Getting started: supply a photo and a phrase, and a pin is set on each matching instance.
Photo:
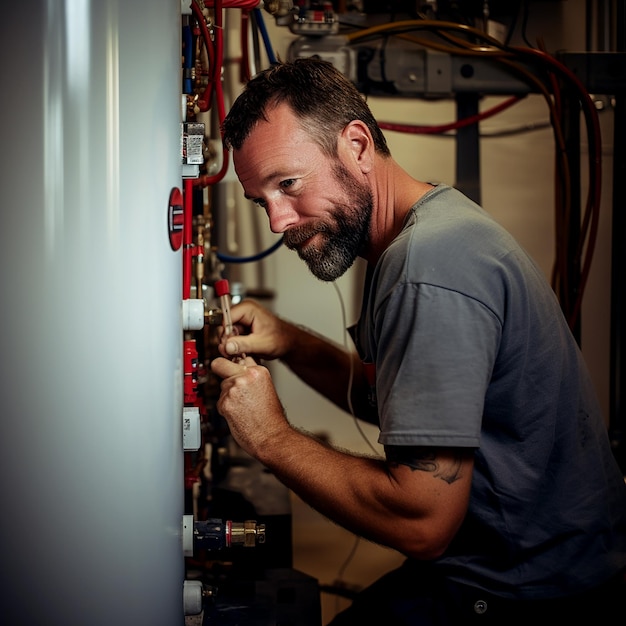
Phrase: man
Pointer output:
(498, 481)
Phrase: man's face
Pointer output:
(329, 246)
(322, 209)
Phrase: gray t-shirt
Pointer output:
(471, 349)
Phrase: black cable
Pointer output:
(525, 15)
(513, 24)
(249, 259)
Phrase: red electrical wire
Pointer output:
(442, 128)
(234, 4)
(219, 41)
(205, 181)
(591, 215)
(244, 66)
(204, 103)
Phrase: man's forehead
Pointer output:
(279, 135)
(276, 116)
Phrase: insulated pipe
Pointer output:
(91, 457)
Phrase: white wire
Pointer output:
(351, 376)
(357, 539)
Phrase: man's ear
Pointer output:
(356, 142)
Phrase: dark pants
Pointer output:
(414, 595)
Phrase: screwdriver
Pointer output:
(222, 289)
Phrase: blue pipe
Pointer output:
(258, 15)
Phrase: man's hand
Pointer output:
(323, 365)
(259, 333)
(249, 403)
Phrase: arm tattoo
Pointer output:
(426, 459)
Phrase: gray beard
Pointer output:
(334, 255)
(342, 241)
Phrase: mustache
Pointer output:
(297, 235)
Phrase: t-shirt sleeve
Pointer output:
(437, 348)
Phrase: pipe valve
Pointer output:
(214, 534)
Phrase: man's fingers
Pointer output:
(225, 368)
(232, 347)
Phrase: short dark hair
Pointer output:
(319, 94)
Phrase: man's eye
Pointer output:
(285, 184)
(260, 202)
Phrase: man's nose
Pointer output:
(281, 214)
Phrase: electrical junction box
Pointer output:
(192, 139)
(334, 49)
